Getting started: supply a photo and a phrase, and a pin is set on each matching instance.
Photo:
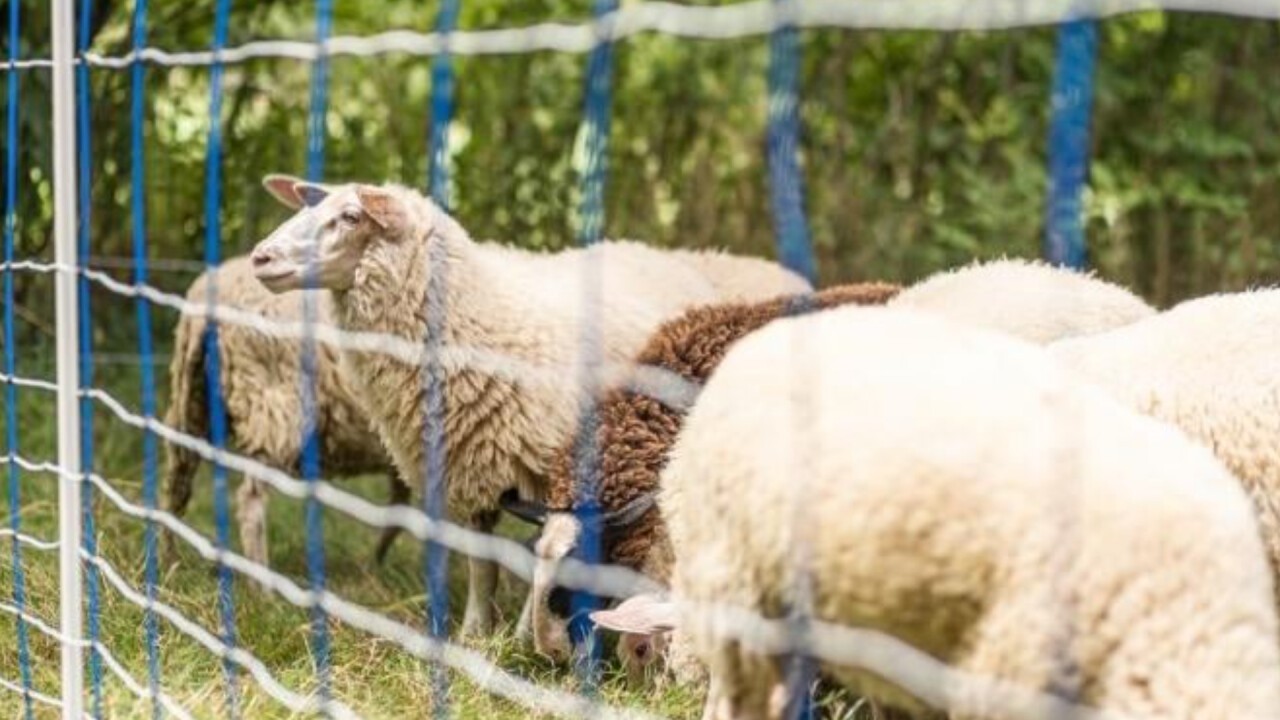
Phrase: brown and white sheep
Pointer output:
(634, 433)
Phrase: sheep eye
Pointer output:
(350, 217)
(642, 651)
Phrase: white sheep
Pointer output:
(378, 249)
(960, 491)
(259, 377)
(1028, 299)
(1208, 366)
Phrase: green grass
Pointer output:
(374, 676)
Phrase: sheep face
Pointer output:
(324, 242)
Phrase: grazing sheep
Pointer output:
(1032, 300)
(958, 490)
(1210, 367)
(634, 433)
(378, 248)
(259, 377)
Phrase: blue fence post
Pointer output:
(435, 555)
(89, 540)
(1072, 108)
(213, 368)
(149, 466)
(10, 355)
(786, 184)
(316, 132)
(597, 107)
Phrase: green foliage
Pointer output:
(920, 151)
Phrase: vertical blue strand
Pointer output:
(786, 182)
(149, 466)
(89, 541)
(1072, 109)
(597, 107)
(10, 354)
(442, 107)
(307, 393)
(319, 92)
(213, 369)
(795, 251)
(596, 116)
(436, 556)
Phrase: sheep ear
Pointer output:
(282, 188)
(530, 512)
(385, 208)
(639, 615)
(311, 194)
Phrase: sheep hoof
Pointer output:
(476, 627)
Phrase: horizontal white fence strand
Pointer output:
(864, 648)
(604, 580)
(889, 657)
(666, 386)
(28, 541)
(663, 385)
(36, 696)
(925, 677)
(113, 664)
(486, 675)
(739, 20)
(193, 630)
(885, 655)
(33, 466)
(33, 383)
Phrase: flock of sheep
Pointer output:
(1023, 473)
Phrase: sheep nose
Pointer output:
(262, 257)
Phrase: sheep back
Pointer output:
(741, 278)
(1028, 299)
(1207, 366)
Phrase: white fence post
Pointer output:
(64, 233)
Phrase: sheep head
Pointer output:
(330, 232)
(560, 535)
(645, 623)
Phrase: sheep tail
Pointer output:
(188, 410)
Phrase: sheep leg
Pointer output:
(744, 686)
(524, 627)
(399, 495)
(482, 585)
(251, 513)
